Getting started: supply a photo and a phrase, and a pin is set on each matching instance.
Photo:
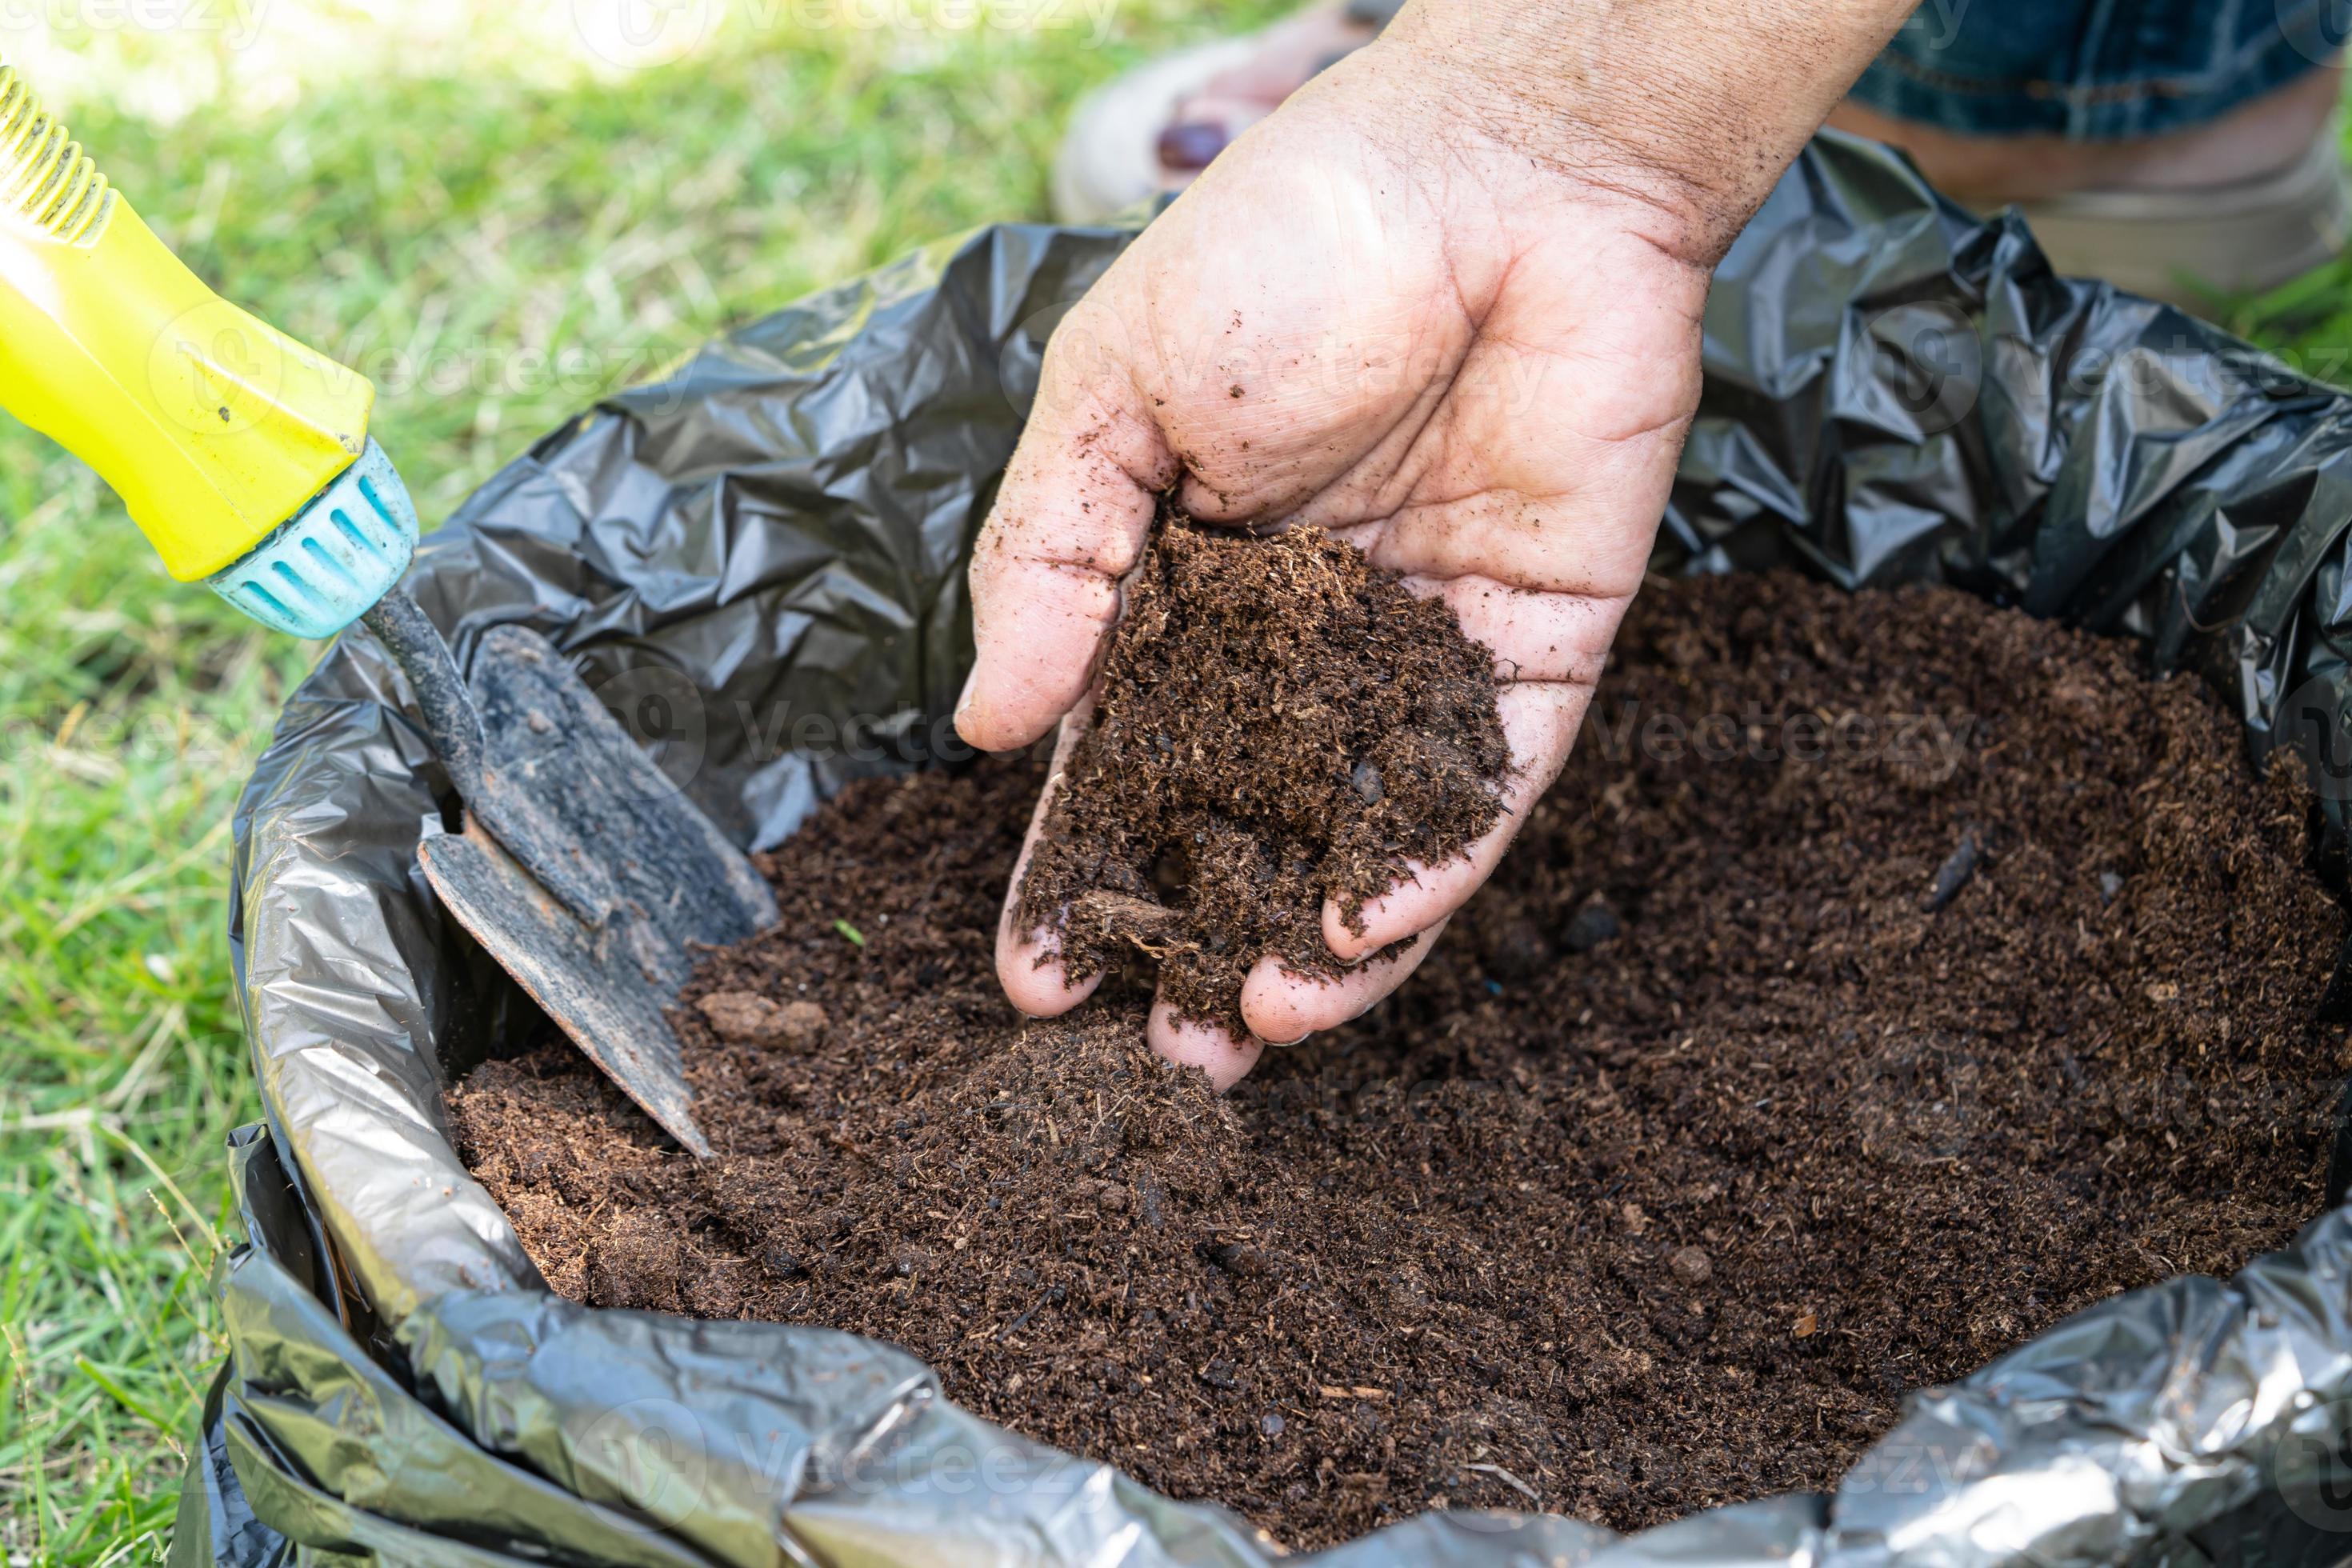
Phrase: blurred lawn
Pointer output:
(496, 227)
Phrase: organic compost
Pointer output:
(1887, 976)
(1278, 724)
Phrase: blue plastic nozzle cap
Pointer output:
(328, 564)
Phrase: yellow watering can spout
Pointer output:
(245, 457)
(237, 451)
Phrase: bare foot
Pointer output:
(1286, 57)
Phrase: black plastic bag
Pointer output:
(1894, 391)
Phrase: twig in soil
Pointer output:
(1509, 1480)
(1954, 873)
(1053, 1295)
(1137, 922)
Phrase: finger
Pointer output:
(1069, 522)
(1226, 1060)
(1028, 963)
(1285, 1008)
(1540, 719)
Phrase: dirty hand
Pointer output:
(1448, 308)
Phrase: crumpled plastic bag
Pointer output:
(1895, 390)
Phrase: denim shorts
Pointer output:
(2095, 70)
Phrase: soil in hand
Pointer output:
(1887, 977)
(1278, 724)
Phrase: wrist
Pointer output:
(1689, 110)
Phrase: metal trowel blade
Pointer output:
(565, 776)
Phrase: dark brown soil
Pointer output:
(1955, 978)
(1278, 724)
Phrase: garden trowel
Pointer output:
(245, 459)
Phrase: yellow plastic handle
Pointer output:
(213, 427)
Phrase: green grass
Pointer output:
(496, 236)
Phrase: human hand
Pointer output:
(1397, 310)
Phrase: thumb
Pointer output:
(1069, 522)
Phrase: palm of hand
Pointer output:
(1475, 370)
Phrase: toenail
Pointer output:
(1190, 145)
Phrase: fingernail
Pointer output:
(963, 698)
(1190, 145)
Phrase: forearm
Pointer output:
(1692, 106)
